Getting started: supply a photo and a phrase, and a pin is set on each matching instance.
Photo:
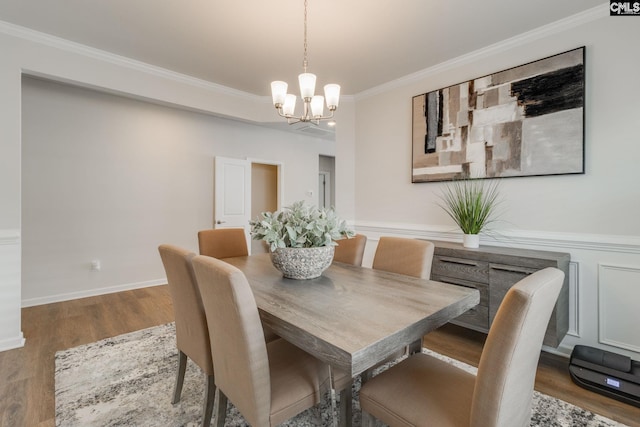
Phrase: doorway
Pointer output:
(264, 194)
(326, 182)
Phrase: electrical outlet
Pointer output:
(95, 265)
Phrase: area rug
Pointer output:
(128, 381)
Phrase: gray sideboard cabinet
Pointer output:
(493, 270)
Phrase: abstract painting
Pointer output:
(524, 121)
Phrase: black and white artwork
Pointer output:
(524, 121)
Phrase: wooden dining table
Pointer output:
(352, 317)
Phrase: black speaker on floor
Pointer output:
(607, 373)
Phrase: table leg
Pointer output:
(415, 347)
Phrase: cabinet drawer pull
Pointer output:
(458, 261)
(512, 269)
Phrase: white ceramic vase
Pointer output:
(302, 263)
(471, 241)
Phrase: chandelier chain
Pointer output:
(304, 61)
(313, 105)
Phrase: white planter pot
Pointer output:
(302, 263)
(471, 241)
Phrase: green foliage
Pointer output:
(299, 226)
(471, 203)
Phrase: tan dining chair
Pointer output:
(267, 382)
(192, 334)
(412, 257)
(436, 393)
(227, 243)
(223, 242)
(350, 251)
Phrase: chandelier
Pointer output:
(313, 107)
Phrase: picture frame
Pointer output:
(523, 121)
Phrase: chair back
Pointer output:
(350, 251)
(237, 341)
(223, 242)
(411, 257)
(506, 373)
(192, 334)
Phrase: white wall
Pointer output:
(592, 216)
(25, 52)
(109, 178)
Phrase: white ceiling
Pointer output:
(244, 45)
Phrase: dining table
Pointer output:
(352, 317)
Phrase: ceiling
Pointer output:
(358, 44)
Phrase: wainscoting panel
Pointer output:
(617, 285)
(574, 299)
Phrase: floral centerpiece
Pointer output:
(300, 226)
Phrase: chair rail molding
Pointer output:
(9, 237)
(594, 242)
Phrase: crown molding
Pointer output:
(561, 25)
(102, 55)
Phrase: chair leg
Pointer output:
(182, 365)
(368, 420)
(209, 400)
(221, 412)
(346, 414)
(317, 416)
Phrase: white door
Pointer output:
(232, 207)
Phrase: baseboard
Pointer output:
(11, 343)
(91, 293)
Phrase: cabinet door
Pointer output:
(477, 317)
(501, 279)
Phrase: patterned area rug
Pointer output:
(128, 381)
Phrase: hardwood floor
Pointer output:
(27, 374)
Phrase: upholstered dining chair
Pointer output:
(192, 334)
(411, 257)
(436, 393)
(227, 243)
(350, 251)
(267, 382)
(223, 242)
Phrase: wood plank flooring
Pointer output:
(27, 374)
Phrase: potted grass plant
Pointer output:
(301, 238)
(472, 204)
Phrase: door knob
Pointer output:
(220, 222)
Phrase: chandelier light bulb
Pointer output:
(332, 95)
(289, 106)
(307, 85)
(317, 106)
(278, 92)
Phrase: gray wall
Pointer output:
(110, 178)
